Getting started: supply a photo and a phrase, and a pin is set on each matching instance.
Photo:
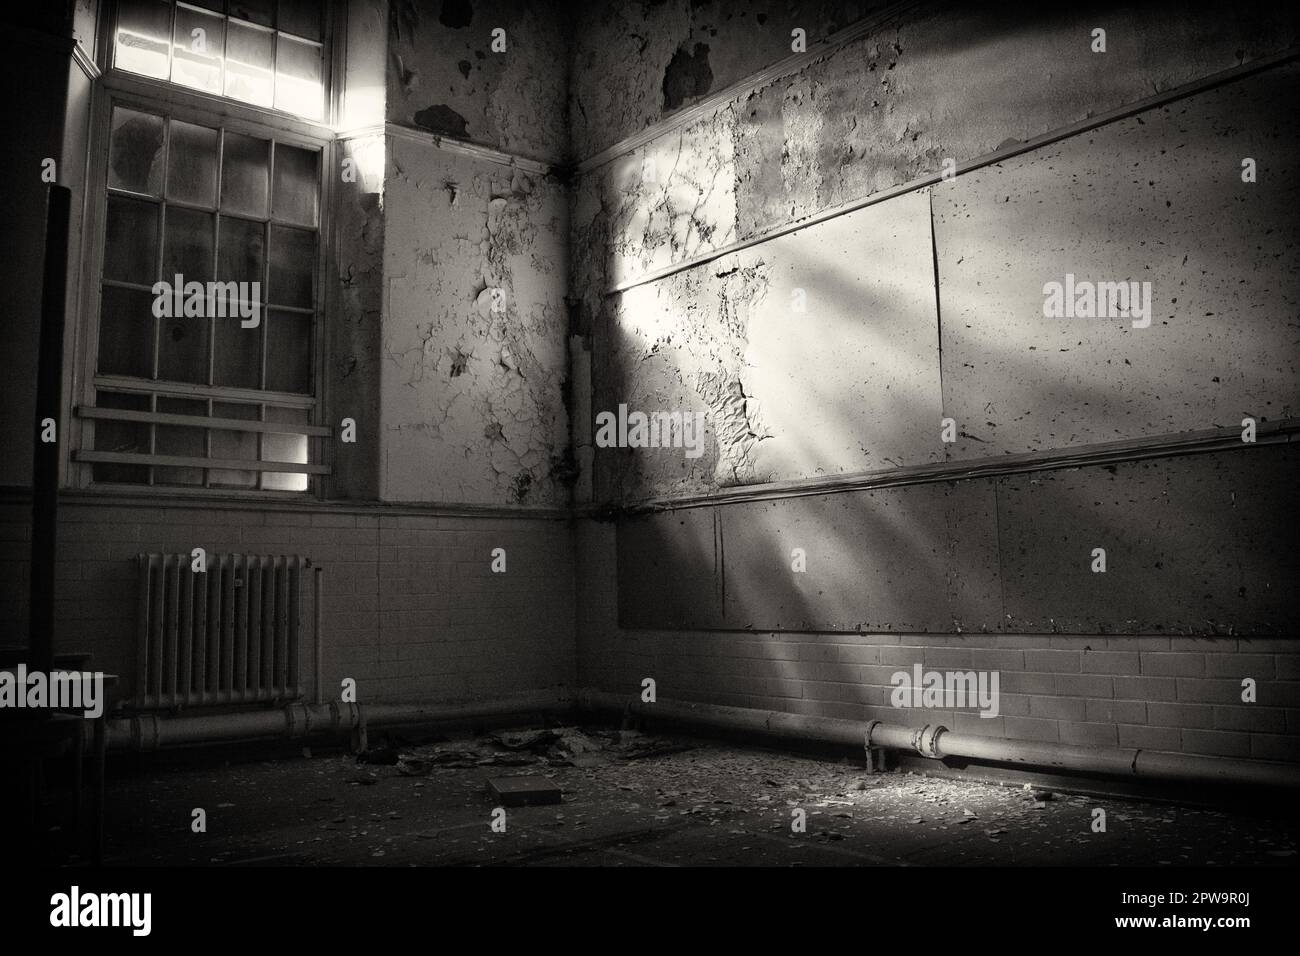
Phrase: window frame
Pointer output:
(116, 88)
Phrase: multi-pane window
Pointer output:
(204, 366)
(264, 53)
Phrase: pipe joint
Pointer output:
(297, 720)
(926, 740)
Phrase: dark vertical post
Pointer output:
(49, 402)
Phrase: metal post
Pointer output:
(49, 404)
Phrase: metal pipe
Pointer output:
(936, 742)
(317, 691)
(775, 723)
(145, 732)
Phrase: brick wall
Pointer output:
(412, 611)
(1156, 692)
(410, 607)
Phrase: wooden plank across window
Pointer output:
(180, 461)
(201, 421)
(224, 393)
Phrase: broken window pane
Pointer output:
(249, 52)
(196, 55)
(143, 34)
(297, 77)
(126, 333)
(295, 185)
(187, 249)
(244, 181)
(135, 152)
(293, 266)
(131, 241)
(192, 164)
(288, 352)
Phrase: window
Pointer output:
(203, 372)
(264, 53)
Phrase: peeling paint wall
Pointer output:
(445, 78)
(474, 343)
(813, 354)
(353, 346)
(834, 133)
(635, 62)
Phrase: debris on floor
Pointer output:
(558, 747)
(631, 799)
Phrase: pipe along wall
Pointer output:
(144, 733)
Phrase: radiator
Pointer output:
(227, 635)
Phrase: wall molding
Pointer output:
(476, 151)
(988, 159)
(154, 499)
(1283, 431)
(360, 132)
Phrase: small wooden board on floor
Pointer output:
(527, 791)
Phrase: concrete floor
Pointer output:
(711, 804)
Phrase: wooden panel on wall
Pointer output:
(1200, 544)
(1203, 544)
(670, 570)
(1156, 198)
